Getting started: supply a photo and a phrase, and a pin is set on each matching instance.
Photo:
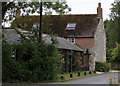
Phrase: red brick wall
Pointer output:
(85, 42)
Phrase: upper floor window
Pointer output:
(36, 26)
(71, 26)
(72, 40)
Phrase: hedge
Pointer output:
(102, 66)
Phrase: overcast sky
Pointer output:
(90, 7)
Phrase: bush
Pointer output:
(107, 67)
(11, 70)
(102, 66)
(31, 64)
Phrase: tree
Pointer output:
(115, 16)
(113, 31)
(31, 7)
(115, 54)
(31, 65)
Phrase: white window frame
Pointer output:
(72, 40)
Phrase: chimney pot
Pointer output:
(99, 4)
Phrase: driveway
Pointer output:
(96, 79)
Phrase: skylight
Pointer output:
(70, 26)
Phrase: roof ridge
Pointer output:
(68, 15)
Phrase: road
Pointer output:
(96, 79)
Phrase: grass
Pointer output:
(75, 76)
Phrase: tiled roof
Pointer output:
(62, 43)
(86, 25)
(12, 36)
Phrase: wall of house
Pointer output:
(99, 50)
(85, 42)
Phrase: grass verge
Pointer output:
(75, 76)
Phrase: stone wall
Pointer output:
(100, 43)
(98, 52)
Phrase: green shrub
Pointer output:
(30, 65)
(102, 66)
(107, 67)
(11, 70)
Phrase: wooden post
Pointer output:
(65, 57)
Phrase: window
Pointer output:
(36, 26)
(72, 40)
(70, 26)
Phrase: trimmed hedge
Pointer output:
(102, 66)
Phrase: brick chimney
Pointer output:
(99, 11)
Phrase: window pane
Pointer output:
(70, 26)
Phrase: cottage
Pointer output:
(86, 31)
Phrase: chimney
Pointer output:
(99, 11)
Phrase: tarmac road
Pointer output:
(93, 80)
(97, 79)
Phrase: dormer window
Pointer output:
(36, 26)
(71, 26)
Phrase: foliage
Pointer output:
(31, 7)
(115, 10)
(102, 66)
(32, 63)
(113, 31)
(10, 68)
(21, 23)
(107, 67)
(77, 62)
(115, 53)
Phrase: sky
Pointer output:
(90, 7)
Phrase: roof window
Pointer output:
(71, 26)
